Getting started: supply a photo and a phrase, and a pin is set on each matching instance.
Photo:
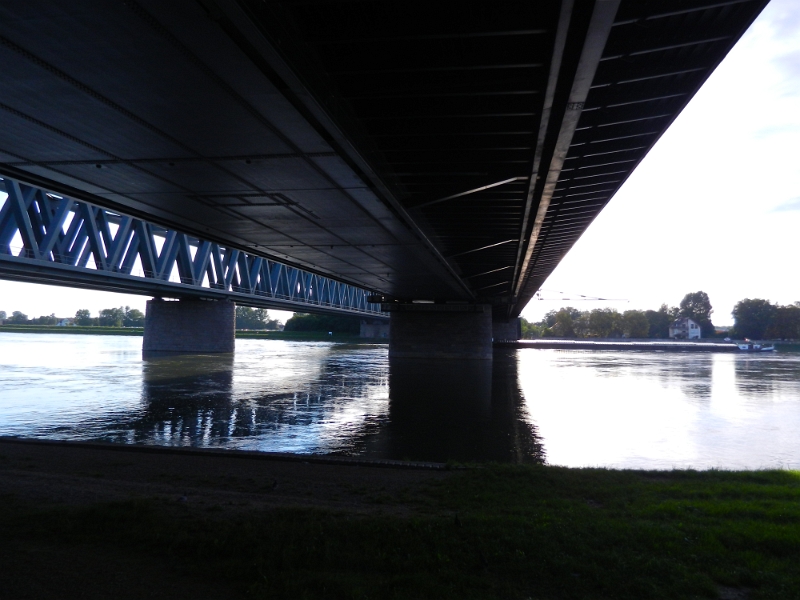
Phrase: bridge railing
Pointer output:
(51, 238)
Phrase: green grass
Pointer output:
(492, 532)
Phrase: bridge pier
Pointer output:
(508, 330)
(374, 328)
(448, 331)
(189, 326)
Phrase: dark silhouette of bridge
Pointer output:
(443, 152)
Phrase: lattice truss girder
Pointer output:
(42, 228)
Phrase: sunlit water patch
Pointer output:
(664, 410)
(576, 408)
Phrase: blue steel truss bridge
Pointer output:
(47, 237)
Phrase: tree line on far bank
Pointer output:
(125, 316)
(753, 318)
(324, 323)
(246, 318)
(258, 318)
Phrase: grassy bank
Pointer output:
(303, 336)
(490, 532)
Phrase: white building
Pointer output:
(684, 329)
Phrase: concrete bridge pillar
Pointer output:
(448, 331)
(508, 330)
(189, 326)
(374, 328)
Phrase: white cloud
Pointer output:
(793, 204)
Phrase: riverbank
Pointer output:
(649, 345)
(299, 336)
(88, 521)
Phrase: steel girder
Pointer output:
(46, 237)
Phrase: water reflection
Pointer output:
(763, 376)
(320, 399)
(616, 409)
(691, 373)
(665, 410)
(463, 410)
(437, 410)
(187, 400)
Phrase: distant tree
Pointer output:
(580, 324)
(254, 318)
(333, 323)
(635, 324)
(753, 317)
(697, 307)
(660, 320)
(605, 323)
(2, 316)
(111, 317)
(18, 318)
(549, 319)
(785, 323)
(132, 317)
(83, 318)
(563, 326)
(530, 330)
(567, 321)
(46, 320)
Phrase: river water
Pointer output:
(653, 410)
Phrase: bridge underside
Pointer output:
(443, 151)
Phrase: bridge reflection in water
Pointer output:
(347, 405)
(458, 410)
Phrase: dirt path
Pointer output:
(76, 474)
(216, 484)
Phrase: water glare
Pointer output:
(575, 408)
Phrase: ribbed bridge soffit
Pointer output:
(447, 150)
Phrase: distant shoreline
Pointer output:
(298, 336)
(704, 345)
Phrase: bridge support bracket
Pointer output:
(449, 331)
(189, 326)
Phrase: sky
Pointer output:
(715, 205)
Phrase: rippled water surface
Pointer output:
(576, 408)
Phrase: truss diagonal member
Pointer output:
(54, 224)
(120, 242)
(19, 202)
(92, 230)
(201, 263)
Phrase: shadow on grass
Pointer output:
(488, 532)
